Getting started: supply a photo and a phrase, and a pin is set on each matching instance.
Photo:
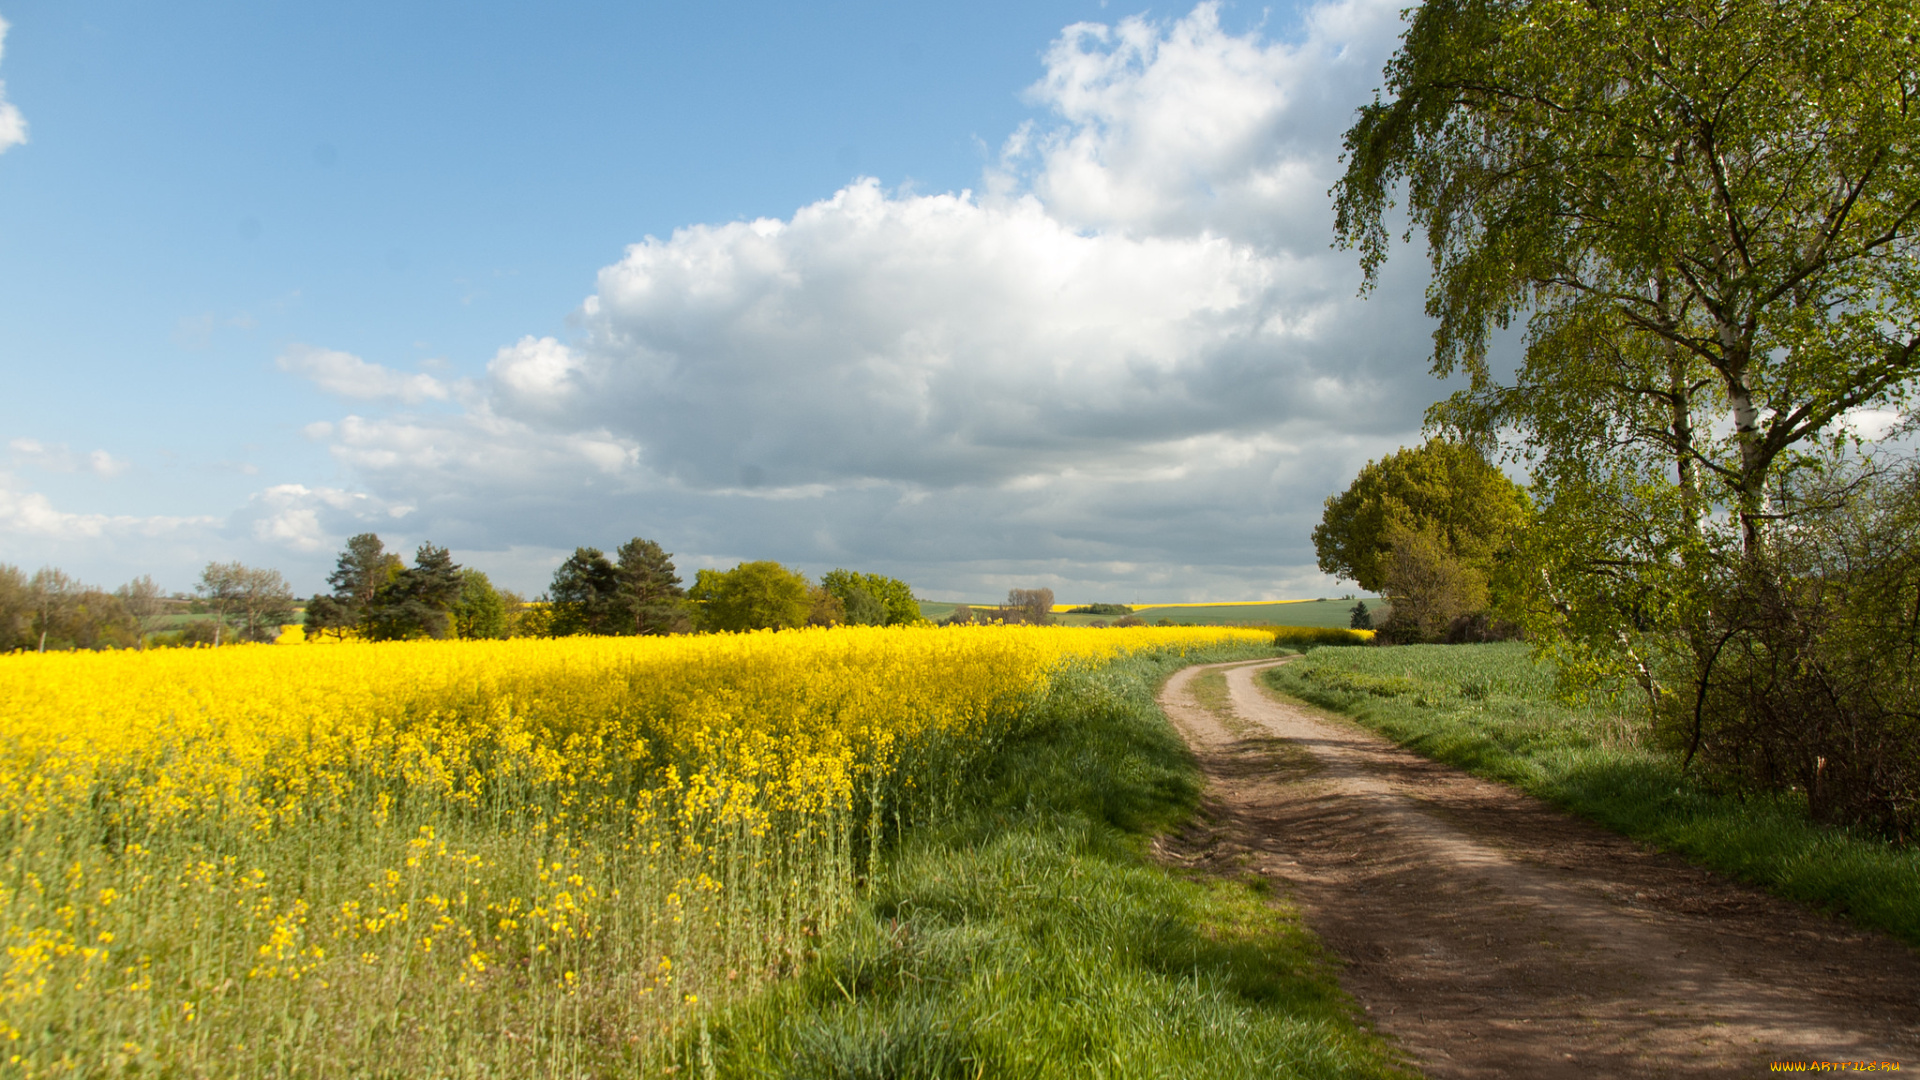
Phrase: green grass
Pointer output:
(1492, 710)
(1036, 938)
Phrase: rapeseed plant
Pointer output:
(519, 858)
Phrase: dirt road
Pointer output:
(1493, 936)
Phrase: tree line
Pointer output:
(52, 610)
(635, 592)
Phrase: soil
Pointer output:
(1491, 935)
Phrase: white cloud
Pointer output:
(351, 377)
(1135, 351)
(13, 126)
(26, 514)
(1130, 366)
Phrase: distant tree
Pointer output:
(585, 595)
(961, 615)
(1360, 617)
(1471, 507)
(52, 596)
(651, 600)
(1428, 585)
(145, 605)
(328, 616)
(16, 609)
(478, 612)
(99, 620)
(363, 568)
(1101, 609)
(253, 602)
(526, 618)
(827, 609)
(751, 596)
(418, 601)
(874, 599)
(1031, 606)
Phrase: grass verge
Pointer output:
(1490, 709)
(1034, 936)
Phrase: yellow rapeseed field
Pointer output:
(505, 859)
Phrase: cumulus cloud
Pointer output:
(348, 376)
(1129, 361)
(13, 126)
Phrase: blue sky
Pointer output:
(955, 293)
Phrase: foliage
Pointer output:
(146, 608)
(751, 596)
(580, 841)
(638, 594)
(651, 599)
(1101, 609)
(1444, 490)
(254, 601)
(1706, 205)
(1494, 710)
(586, 595)
(1362, 619)
(364, 566)
(1033, 607)
(418, 601)
(873, 599)
(1429, 587)
(1812, 684)
(479, 612)
(1707, 212)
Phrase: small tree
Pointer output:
(251, 601)
(874, 599)
(1031, 606)
(1444, 487)
(16, 609)
(962, 615)
(145, 605)
(1428, 585)
(478, 612)
(418, 601)
(827, 609)
(363, 568)
(651, 600)
(752, 596)
(1359, 618)
(586, 595)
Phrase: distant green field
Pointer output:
(1297, 613)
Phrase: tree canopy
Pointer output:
(1706, 208)
(873, 599)
(752, 596)
(1447, 488)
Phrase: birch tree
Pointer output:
(1704, 214)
